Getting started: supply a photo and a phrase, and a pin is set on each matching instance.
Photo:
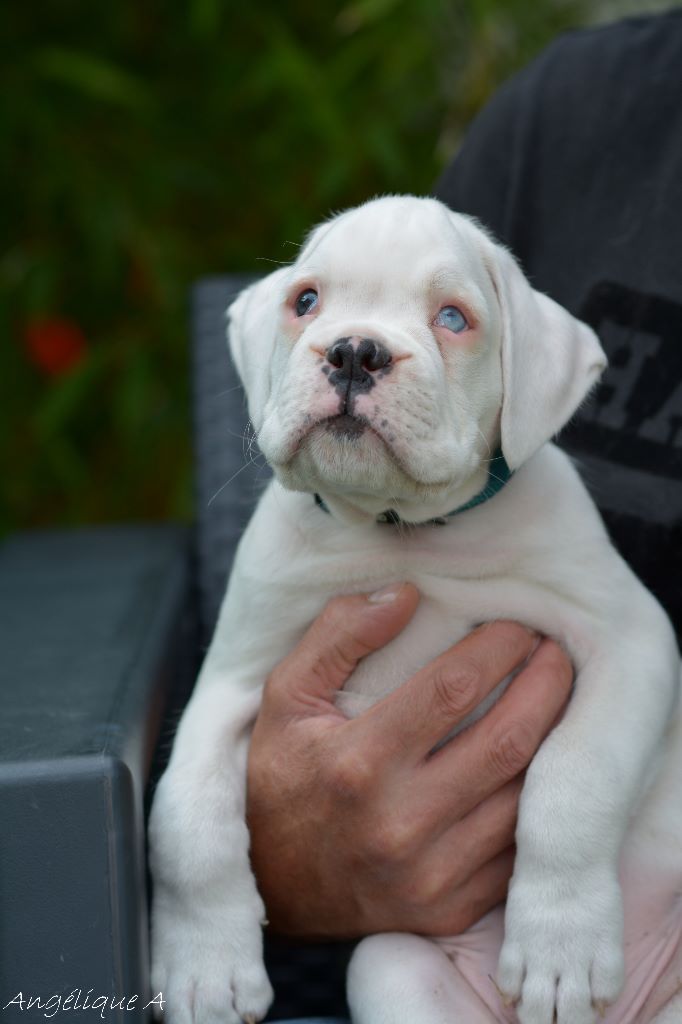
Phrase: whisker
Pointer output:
(279, 263)
(251, 456)
(499, 479)
(227, 391)
(485, 439)
(248, 445)
(233, 477)
(227, 483)
(233, 433)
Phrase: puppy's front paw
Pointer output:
(562, 957)
(209, 965)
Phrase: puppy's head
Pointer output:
(402, 347)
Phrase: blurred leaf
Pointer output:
(65, 395)
(356, 15)
(204, 16)
(94, 77)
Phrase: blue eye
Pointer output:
(306, 301)
(453, 319)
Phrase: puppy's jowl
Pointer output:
(401, 353)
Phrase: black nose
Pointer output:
(355, 357)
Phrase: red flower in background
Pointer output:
(55, 345)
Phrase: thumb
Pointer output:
(347, 630)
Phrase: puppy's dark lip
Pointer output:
(346, 425)
(351, 428)
(339, 424)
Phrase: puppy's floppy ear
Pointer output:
(550, 360)
(251, 331)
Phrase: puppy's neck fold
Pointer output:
(410, 514)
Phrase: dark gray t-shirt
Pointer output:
(576, 164)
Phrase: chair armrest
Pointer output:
(94, 628)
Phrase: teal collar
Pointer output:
(499, 474)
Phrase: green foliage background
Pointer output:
(144, 144)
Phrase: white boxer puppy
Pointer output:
(404, 371)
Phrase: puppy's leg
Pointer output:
(397, 978)
(206, 914)
(655, 838)
(207, 958)
(651, 874)
(563, 948)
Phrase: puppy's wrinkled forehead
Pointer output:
(391, 244)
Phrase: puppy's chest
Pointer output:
(447, 612)
(465, 577)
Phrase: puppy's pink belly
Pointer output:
(475, 954)
(653, 955)
(653, 942)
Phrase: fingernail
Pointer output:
(386, 594)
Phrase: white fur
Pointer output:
(537, 552)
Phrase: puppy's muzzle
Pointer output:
(356, 362)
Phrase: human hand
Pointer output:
(356, 827)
